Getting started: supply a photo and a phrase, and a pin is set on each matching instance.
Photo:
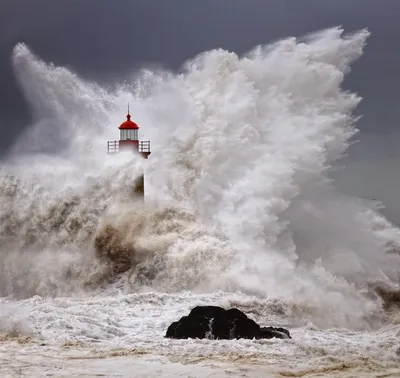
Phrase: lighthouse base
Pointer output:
(138, 187)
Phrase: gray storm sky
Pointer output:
(105, 39)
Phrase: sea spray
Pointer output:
(238, 195)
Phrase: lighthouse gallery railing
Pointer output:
(113, 146)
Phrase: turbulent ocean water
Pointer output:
(240, 211)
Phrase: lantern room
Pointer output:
(128, 130)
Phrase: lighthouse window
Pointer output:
(134, 134)
(129, 134)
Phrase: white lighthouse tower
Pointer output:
(129, 140)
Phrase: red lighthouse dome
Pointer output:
(128, 124)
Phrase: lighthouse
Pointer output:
(129, 140)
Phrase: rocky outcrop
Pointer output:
(214, 322)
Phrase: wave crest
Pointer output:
(238, 194)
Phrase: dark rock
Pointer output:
(245, 329)
(213, 322)
(208, 311)
(270, 332)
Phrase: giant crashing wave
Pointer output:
(238, 194)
